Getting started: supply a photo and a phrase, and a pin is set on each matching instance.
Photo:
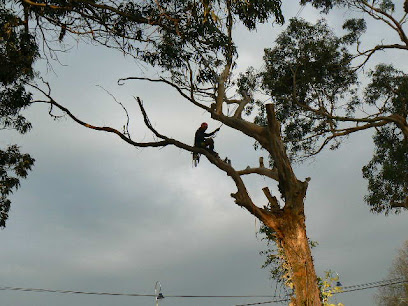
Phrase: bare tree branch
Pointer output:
(162, 80)
(372, 120)
(126, 126)
(241, 105)
(380, 14)
(261, 170)
(271, 173)
(370, 52)
(273, 202)
(391, 21)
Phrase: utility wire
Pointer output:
(300, 11)
(346, 289)
(374, 284)
(379, 284)
(72, 292)
(132, 294)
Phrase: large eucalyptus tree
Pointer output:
(192, 44)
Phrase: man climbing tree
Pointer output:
(204, 140)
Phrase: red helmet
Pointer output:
(204, 125)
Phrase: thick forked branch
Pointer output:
(261, 170)
(241, 197)
(241, 105)
(248, 128)
(271, 173)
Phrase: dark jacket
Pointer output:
(200, 136)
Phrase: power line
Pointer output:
(72, 292)
(279, 299)
(384, 283)
(346, 289)
(300, 11)
(131, 294)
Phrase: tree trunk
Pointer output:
(291, 236)
(289, 222)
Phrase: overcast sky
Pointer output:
(96, 214)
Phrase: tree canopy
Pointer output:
(18, 51)
(311, 76)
